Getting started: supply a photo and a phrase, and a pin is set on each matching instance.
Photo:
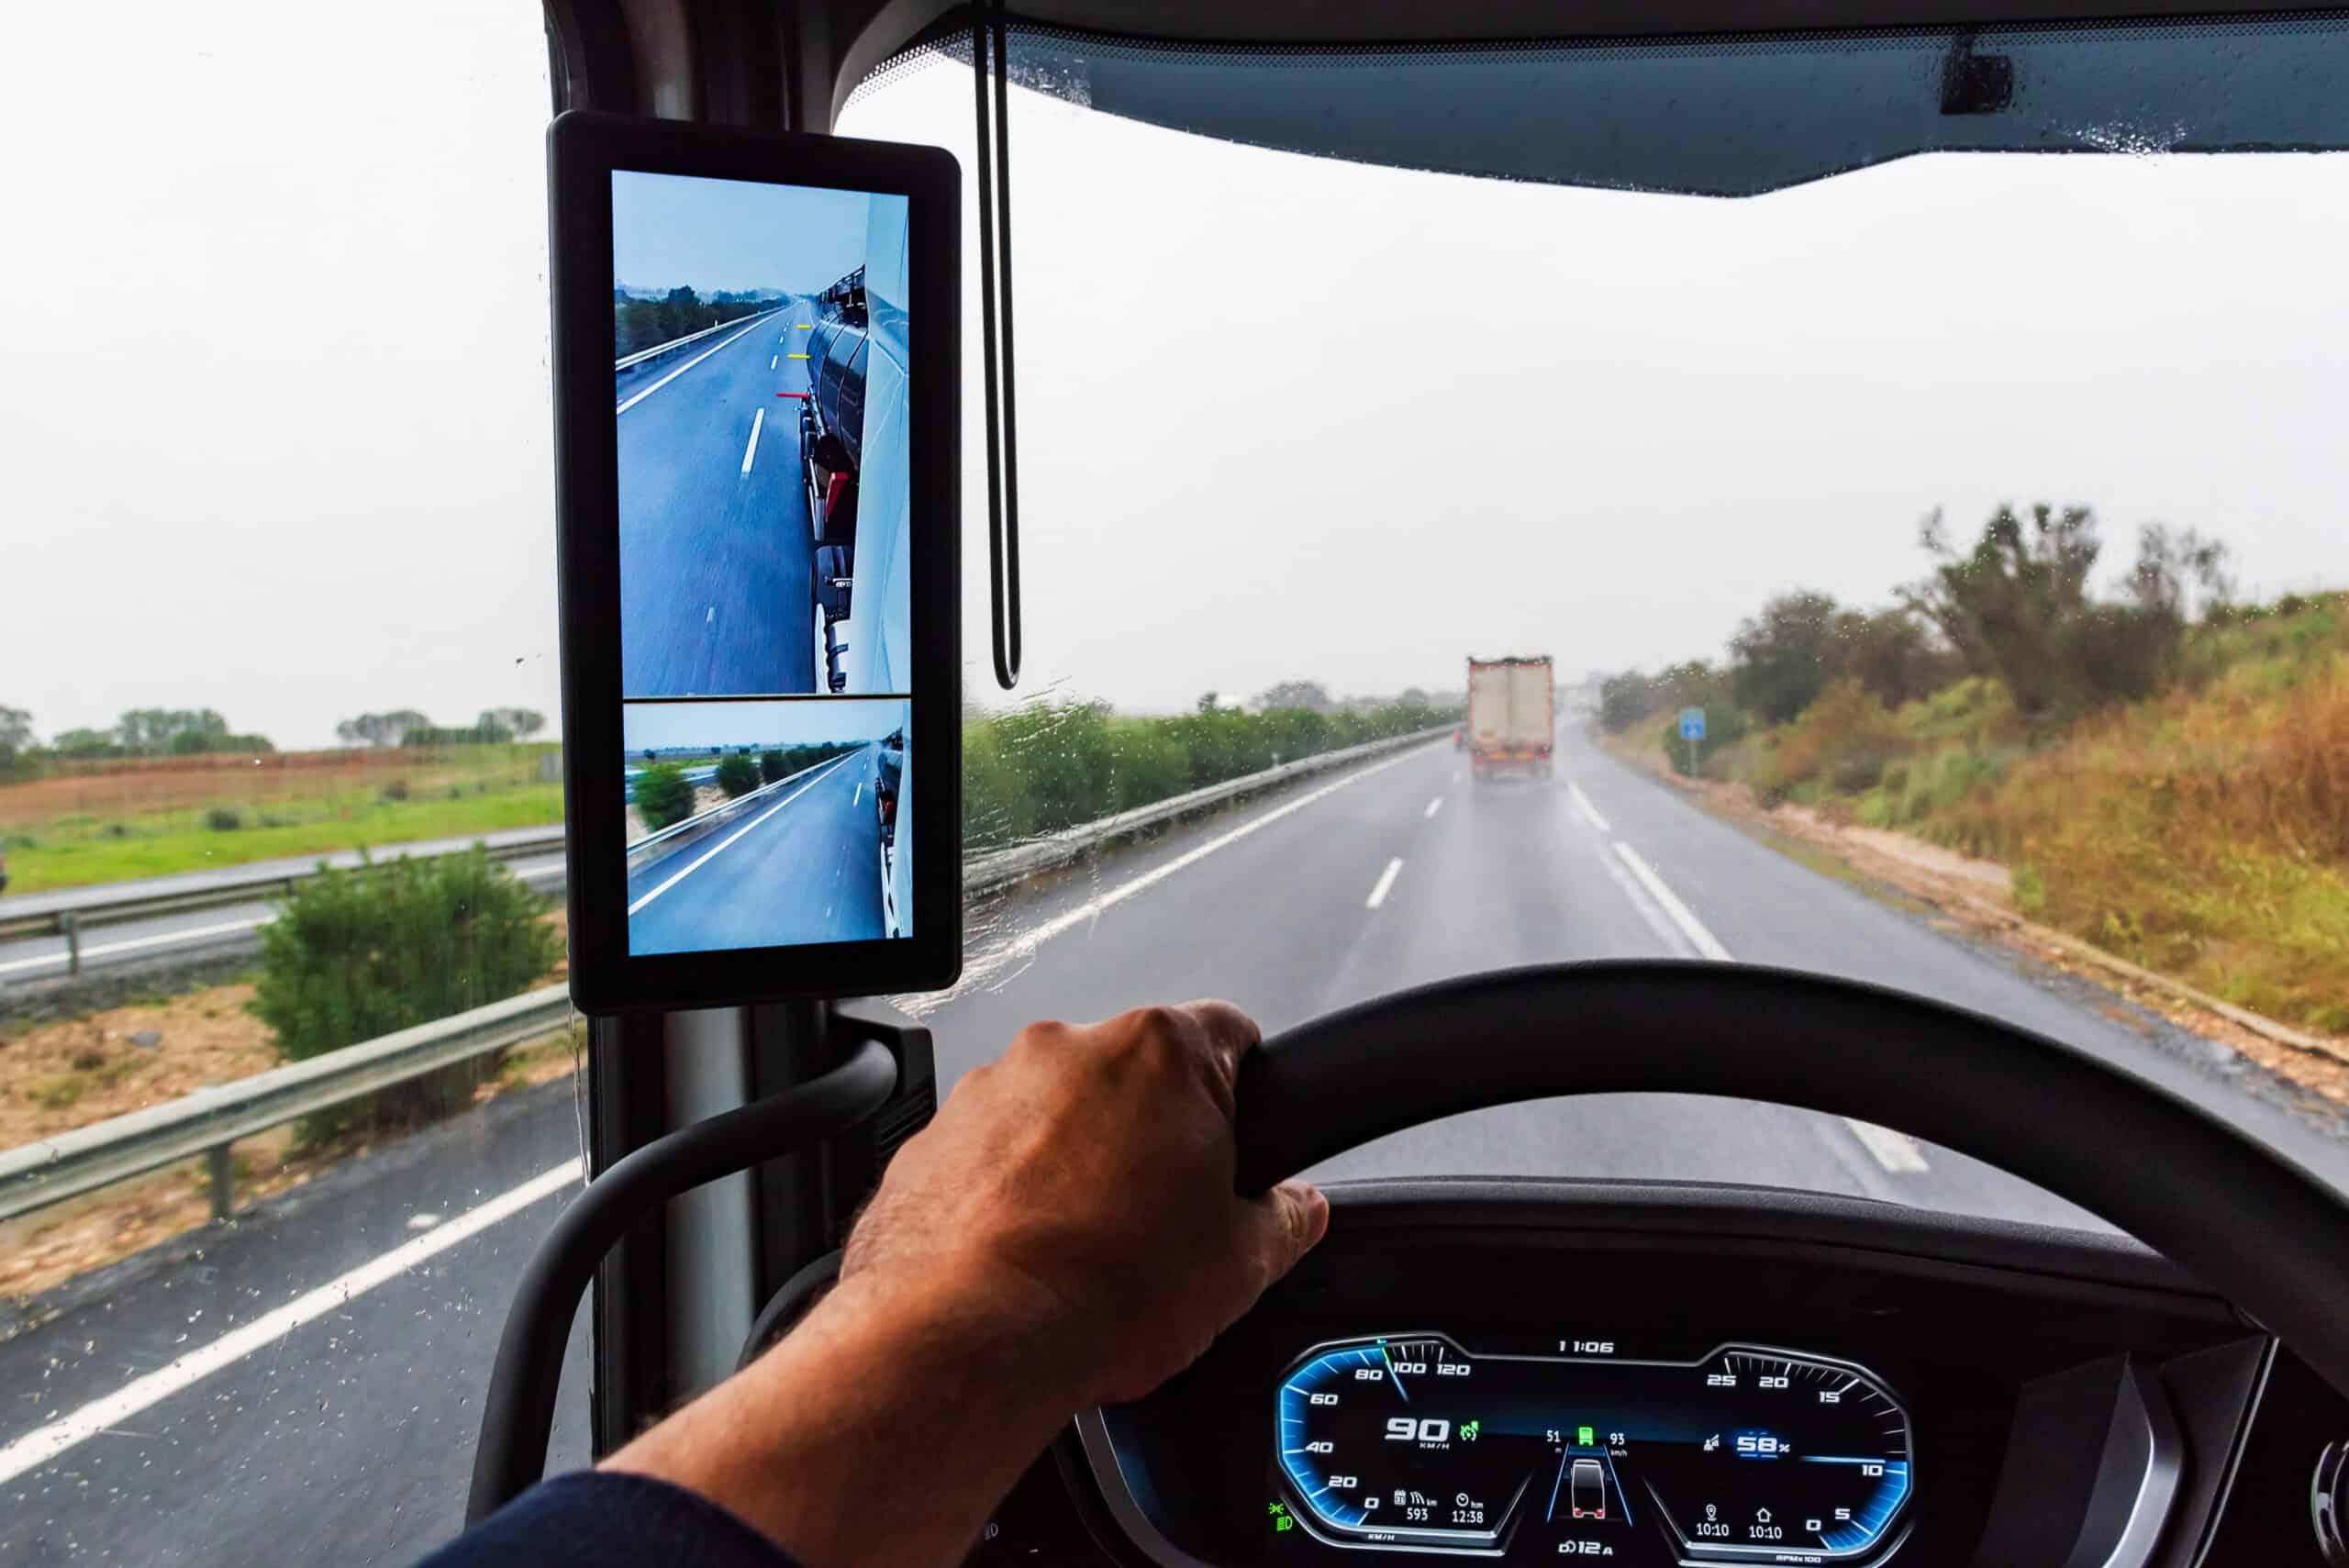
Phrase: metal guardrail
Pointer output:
(68, 912)
(208, 1121)
(722, 812)
(645, 356)
(1072, 844)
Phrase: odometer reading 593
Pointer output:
(1749, 1454)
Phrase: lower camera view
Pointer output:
(766, 824)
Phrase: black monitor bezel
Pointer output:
(583, 149)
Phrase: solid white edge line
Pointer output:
(46, 1442)
(1680, 915)
(1385, 883)
(1582, 804)
(1645, 908)
(1896, 1151)
(682, 370)
(1435, 805)
(977, 971)
(738, 832)
(758, 423)
(134, 944)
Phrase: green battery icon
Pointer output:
(1585, 1438)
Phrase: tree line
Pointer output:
(2016, 605)
(407, 727)
(664, 795)
(641, 324)
(140, 732)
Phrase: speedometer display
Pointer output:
(1748, 1454)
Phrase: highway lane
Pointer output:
(716, 597)
(802, 868)
(349, 1433)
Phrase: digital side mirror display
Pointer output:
(756, 357)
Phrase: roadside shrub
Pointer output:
(663, 796)
(223, 818)
(393, 789)
(771, 769)
(354, 955)
(737, 774)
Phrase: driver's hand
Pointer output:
(1081, 1187)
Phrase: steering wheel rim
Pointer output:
(2248, 1221)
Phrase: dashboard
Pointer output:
(1658, 1374)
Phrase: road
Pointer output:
(716, 597)
(345, 1437)
(803, 867)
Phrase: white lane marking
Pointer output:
(135, 944)
(722, 843)
(1385, 881)
(1582, 804)
(977, 971)
(1893, 1150)
(774, 359)
(1434, 806)
(709, 616)
(1673, 943)
(46, 1442)
(758, 423)
(675, 373)
(859, 794)
(1680, 913)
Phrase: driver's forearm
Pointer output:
(886, 1427)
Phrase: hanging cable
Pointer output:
(990, 77)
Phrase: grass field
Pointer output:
(200, 814)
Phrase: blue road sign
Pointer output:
(1692, 723)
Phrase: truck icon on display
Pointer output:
(1586, 1490)
(831, 454)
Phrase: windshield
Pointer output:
(1919, 566)
(1457, 535)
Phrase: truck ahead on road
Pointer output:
(1511, 725)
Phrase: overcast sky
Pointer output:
(658, 725)
(669, 229)
(277, 430)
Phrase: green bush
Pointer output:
(663, 796)
(392, 790)
(224, 819)
(355, 955)
(737, 774)
(771, 766)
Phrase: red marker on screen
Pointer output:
(791, 394)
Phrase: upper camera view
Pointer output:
(760, 372)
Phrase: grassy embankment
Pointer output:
(202, 813)
(2202, 832)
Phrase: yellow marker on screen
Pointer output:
(798, 356)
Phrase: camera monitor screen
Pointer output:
(770, 553)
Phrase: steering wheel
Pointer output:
(2251, 1224)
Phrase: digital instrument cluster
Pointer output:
(1750, 1453)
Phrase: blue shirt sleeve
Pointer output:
(596, 1519)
